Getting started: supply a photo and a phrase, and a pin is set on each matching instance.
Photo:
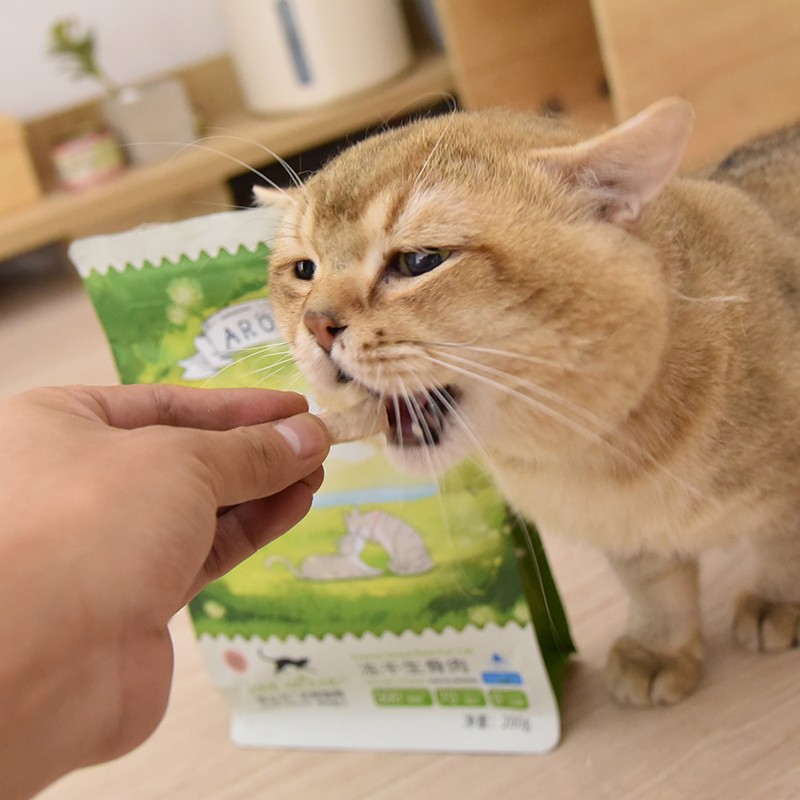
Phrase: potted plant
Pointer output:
(151, 120)
(76, 51)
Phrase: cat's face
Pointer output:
(464, 273)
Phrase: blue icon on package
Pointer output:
(504, 678)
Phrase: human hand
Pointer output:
(120, 504)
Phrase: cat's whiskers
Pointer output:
(259, 350)
(489, 463)
(197, 144)
(545, 362)
(527, 399)
(418, 184)
(295, 379)
(415, 411)
(271, 368)
(396, 406)
(224, 206)
(592, 419)
(571, 424)
(236, 136)
(438, 358)
(417, 103)
(266, 381)
(380, 409)
(599, 433)
(267, 347)
(725, 298)
(588, 416)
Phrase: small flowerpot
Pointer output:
(152, 121)
(87, 159)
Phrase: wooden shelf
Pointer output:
(597, 60)
(234, 140)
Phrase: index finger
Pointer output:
(139, 405)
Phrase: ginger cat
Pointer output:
(620, 346)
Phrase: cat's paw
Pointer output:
(765, 625)
(637, 676)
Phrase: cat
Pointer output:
(345, 564)
(284, 662)
(619, 344)
(405, 547)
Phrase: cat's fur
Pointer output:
(621, 346)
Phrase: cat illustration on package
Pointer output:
(345, 564)
(404, 546)
(617, 344)
(407, 552)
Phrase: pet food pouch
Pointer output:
(403, 612)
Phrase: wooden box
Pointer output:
(19, 186)
(539, 55)
(736, 61)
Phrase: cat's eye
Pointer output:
(419, 262)
(305, 269)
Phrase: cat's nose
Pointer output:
(324, 328)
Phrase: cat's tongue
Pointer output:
(416, 420)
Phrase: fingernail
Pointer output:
(303, 434)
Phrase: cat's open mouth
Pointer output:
(420, 419)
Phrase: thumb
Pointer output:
(261, 460)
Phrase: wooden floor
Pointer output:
(738, 738)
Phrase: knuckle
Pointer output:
(261, 456)
(163, 403)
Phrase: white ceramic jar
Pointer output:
(293, 54)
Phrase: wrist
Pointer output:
(44, 670)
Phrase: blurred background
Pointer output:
(136, 40)
(113, 114)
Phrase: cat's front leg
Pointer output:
(659, 660)
(768, 619)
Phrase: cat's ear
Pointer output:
(266, 196)
(630, 164)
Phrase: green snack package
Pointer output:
(403, 612)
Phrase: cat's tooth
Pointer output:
(360, 421)
(434, 418)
